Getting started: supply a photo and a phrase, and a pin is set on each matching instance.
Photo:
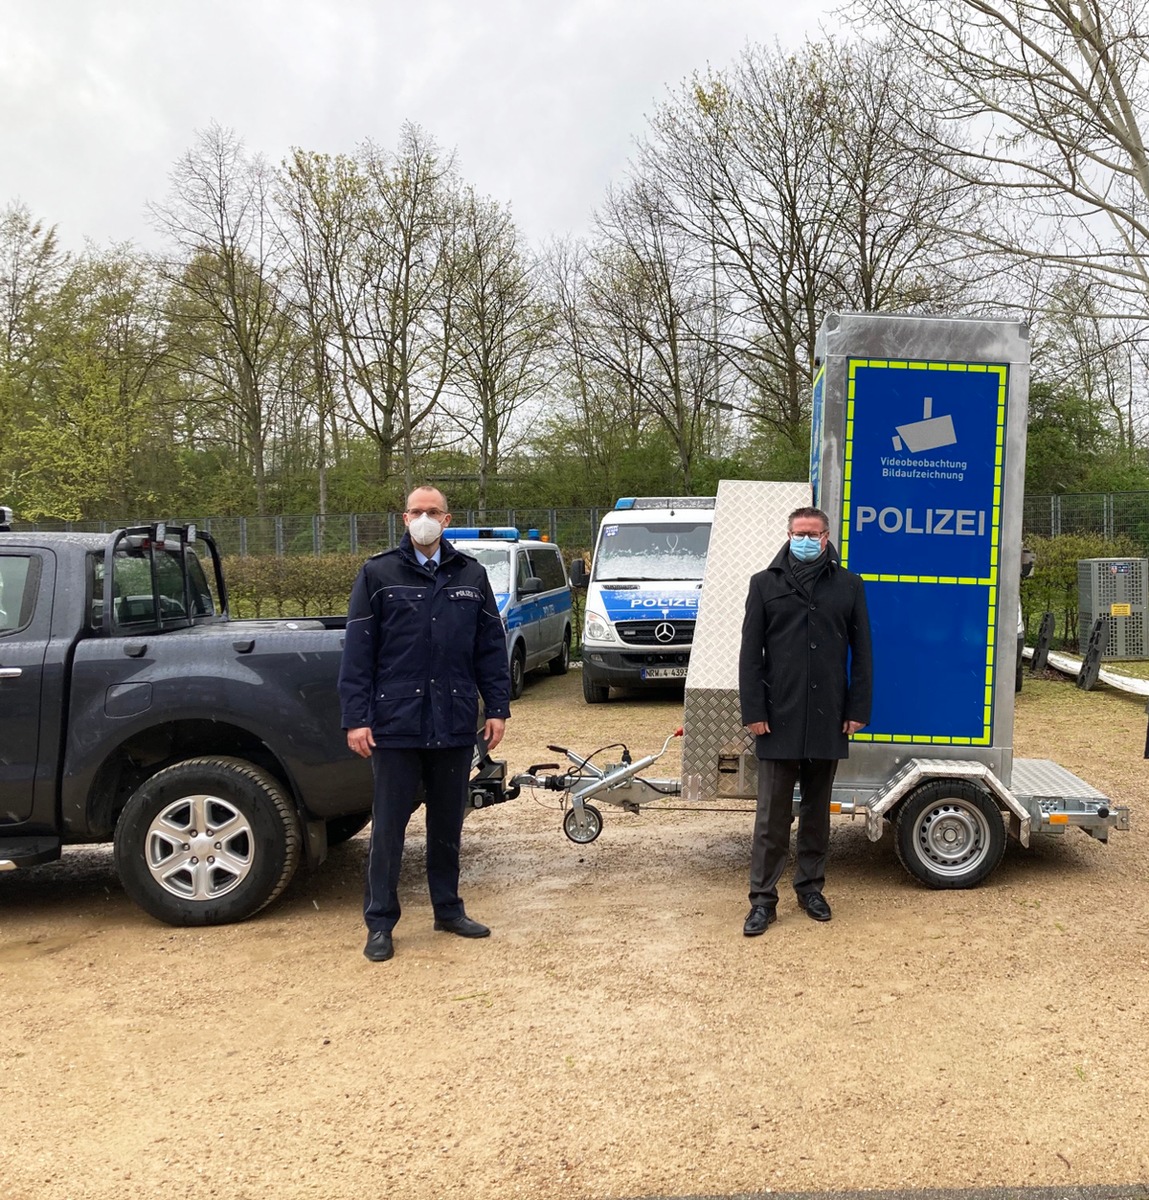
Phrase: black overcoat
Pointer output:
(805, 663)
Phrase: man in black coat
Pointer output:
(804, 681)
(424, 641)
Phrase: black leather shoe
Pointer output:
(815, 905)
(463, 926)
(758, 920)
(379, 946)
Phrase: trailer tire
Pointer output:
(950, 834)
(180, 869)
(582, 837)
(594, 693)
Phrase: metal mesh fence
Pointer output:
(1108, 513)
(364, 533)
(1111, 514)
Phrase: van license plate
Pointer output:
(664, 673)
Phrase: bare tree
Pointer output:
(650, 317)
(781, 172)
(381, 224)
(502, 332)
(1040, 103)
(232, 330)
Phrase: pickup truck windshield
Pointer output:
(132, 587)
(652, 551)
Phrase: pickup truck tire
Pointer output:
(949, 834)
(561, 663)
(207, 841)
(343, 829)
(518, 671)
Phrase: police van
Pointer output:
(534, 596)
(642, 592)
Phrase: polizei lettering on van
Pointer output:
(954, 522)
(663, 601)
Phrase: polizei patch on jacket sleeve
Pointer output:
(464, 593)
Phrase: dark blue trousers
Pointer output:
(398, 774)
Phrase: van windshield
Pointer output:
(656, 550)
(498, 564)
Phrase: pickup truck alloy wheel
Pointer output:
(950, 834)
(207, 841)
(199, 847)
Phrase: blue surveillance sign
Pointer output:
(921, 523)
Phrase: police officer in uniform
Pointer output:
(424, 641)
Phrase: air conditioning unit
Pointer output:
(1115, 588)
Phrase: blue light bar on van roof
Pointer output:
(666, 502)
(502, 533)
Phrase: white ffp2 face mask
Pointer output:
(424, 530)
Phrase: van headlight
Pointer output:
(598, 628)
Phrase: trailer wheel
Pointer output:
(207, 841)
(950, 834)
(582, 837)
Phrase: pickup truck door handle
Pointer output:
(244, 647)
(135, 649)
(11, 672)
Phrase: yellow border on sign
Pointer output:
(988, 581)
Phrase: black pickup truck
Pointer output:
(134, 710)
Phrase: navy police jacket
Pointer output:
(421, 648)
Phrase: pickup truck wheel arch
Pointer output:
(343, 829)
(207, 841)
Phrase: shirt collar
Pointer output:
(423, 560)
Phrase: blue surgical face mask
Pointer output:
(805, 548)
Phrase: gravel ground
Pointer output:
(616, 1036)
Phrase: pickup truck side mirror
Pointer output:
(580, 577)
(531, 586)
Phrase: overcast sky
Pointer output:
(541, 98)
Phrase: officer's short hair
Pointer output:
(429, 487)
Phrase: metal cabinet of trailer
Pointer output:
(1115, 588)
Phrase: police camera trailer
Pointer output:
(533, 594)
(918, 456)
(642, 593)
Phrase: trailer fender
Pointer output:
(921, 770)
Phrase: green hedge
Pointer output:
(290, 586)
(1053, 585)
(312, 586)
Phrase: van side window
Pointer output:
(522, 571)
(547, 565)
(19, 577)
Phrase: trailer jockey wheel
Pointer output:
(950, 834)
(591, 829)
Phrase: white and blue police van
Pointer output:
(642, 592)
(534, 596)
